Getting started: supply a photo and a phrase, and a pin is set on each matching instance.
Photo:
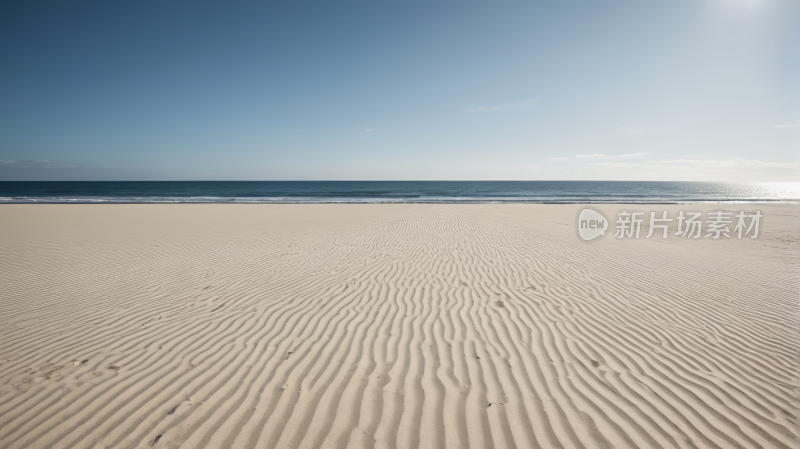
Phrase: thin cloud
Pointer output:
(40, 163)
(44, 170)
(787, 126)
(605, 156)
(557, 159)
(701, 164)
(621, 165)
(736, 162)
(735, 169)
(504, 107)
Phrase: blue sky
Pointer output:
(629, 90)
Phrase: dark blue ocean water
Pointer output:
(393, 192)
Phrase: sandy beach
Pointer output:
(350, 326)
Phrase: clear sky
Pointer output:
(628, 90)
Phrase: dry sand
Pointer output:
(244, 326)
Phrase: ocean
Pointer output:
(394, 192)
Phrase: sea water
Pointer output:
(394, 192)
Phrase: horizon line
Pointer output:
(390, 180)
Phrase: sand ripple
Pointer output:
(385, 326)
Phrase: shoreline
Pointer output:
(454, 202)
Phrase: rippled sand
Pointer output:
(259, 326)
